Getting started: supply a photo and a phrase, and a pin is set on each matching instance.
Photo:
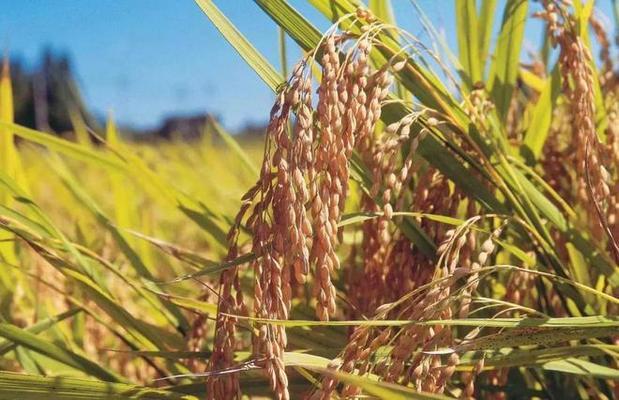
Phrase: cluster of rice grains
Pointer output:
(294, 211)
(587, 154)
(297, 203)
(581, 156)
(422, 355)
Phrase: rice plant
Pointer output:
(420, 222)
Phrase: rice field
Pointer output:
(417, 222)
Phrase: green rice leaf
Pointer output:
(504, 68)
(31, 387)
(468, 43)
(585, 368)
(62, 146)
(381, 390)
(485, 22)
(41, 326)
(541, 112)
(33, 342)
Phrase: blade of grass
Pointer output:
(41, 326)
(382, 390)
(541, 112)
(55, 352)
(468, 41)
(485, 22)
(31, 387)
(504, 68)
(8, 161)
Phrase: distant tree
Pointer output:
(46, 95)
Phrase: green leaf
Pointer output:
(186, 302)
(382, 390)
(9, 161)
(585, 368)
(41, 326)
(358, 217)
(73, 150)
(55, 352)
(216, 268)
(560, 359)
(190, 257)
(485, 22)
(539, 336)
(468, 42)
(253, 383)
(122, 197)
(31, 387)
(602, 323)
(383, 10)
(504, 69)
(541, 112)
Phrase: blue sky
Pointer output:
(145, 59)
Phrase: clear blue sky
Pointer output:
(144, 59)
